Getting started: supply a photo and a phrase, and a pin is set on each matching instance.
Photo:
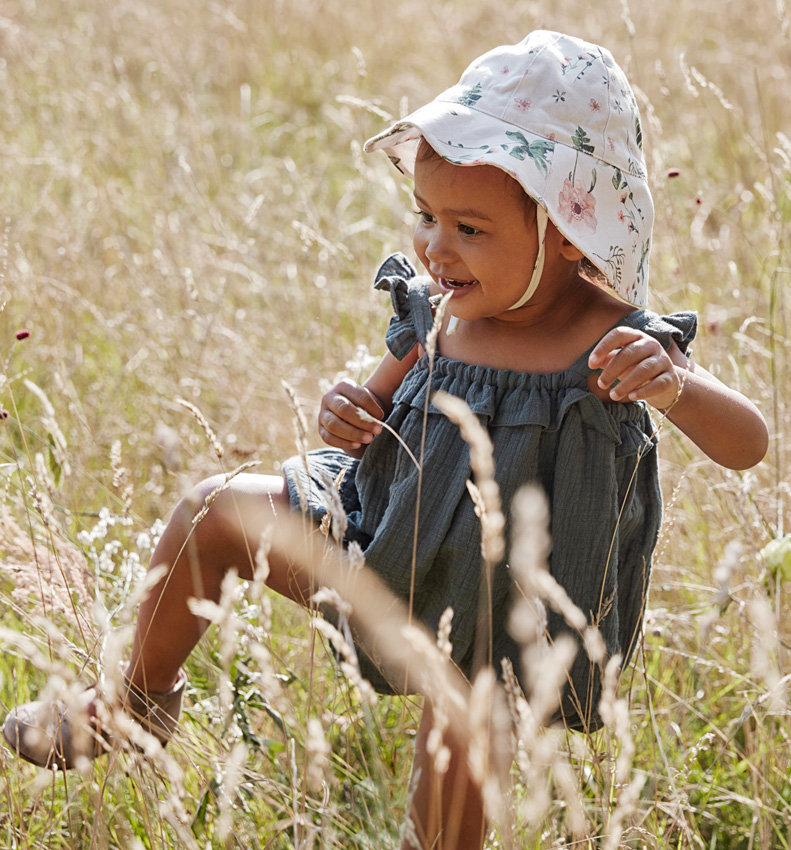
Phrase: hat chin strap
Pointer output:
(538, 269)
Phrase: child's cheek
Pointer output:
(419, 243)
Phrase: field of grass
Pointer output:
(186, 214)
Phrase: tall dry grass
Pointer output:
(186, 214)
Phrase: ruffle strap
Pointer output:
(680, 327)
(392, 277)
(408, 292)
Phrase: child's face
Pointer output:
(476, 236)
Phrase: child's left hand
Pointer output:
(642, 368)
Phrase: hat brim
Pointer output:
(559, 177)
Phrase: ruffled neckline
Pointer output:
(413, 321)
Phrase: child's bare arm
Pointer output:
(340, 422)
(722, 422)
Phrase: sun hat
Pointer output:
(558, 115)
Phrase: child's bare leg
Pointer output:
(226, 537)
(446, 810)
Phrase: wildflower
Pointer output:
(673, 172)
(4, 414)
(22, 333)
(777, 556)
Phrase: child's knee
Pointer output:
(204, 493)
(200, 510)
(220, 509)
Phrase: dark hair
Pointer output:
(594, 274)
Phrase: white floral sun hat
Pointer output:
(558, 115)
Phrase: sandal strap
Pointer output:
(157, 712)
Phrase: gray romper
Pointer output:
(545, 428)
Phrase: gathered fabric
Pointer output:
(595, 461)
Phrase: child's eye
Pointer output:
(425, 218)
(468, 230)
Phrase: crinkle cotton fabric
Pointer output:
(545, 428)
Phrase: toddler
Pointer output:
(534, 216)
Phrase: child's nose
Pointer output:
(438, 246)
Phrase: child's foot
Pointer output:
(50, 733)
(55, 734)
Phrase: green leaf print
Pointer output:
(581, 141)
(585, 60)
(614, 261)
(471, 96)
(642, 265)
(537, 151)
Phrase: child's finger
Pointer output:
(639, 358)
(339, 438)
(340, 433)
(343, 422)
(660, 391)
(630, 369)
(615, 339)
(360, 398)
(343, 419)
(641, 369)
(633, 382)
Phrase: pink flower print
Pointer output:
(577, 205)
(595, 105)
(551, 137)
(621, 216)
(505, 70)
(610, 143)
(522, 103)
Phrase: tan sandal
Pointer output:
(56, 734)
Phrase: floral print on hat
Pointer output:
(558, 114)
(577, 206)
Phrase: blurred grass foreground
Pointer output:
(186, 214)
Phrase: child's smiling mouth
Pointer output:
(450, 283)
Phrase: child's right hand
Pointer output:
(342, 421)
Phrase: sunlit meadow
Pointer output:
(186, 216)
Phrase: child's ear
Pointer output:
(565, 248)
(570, 252)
